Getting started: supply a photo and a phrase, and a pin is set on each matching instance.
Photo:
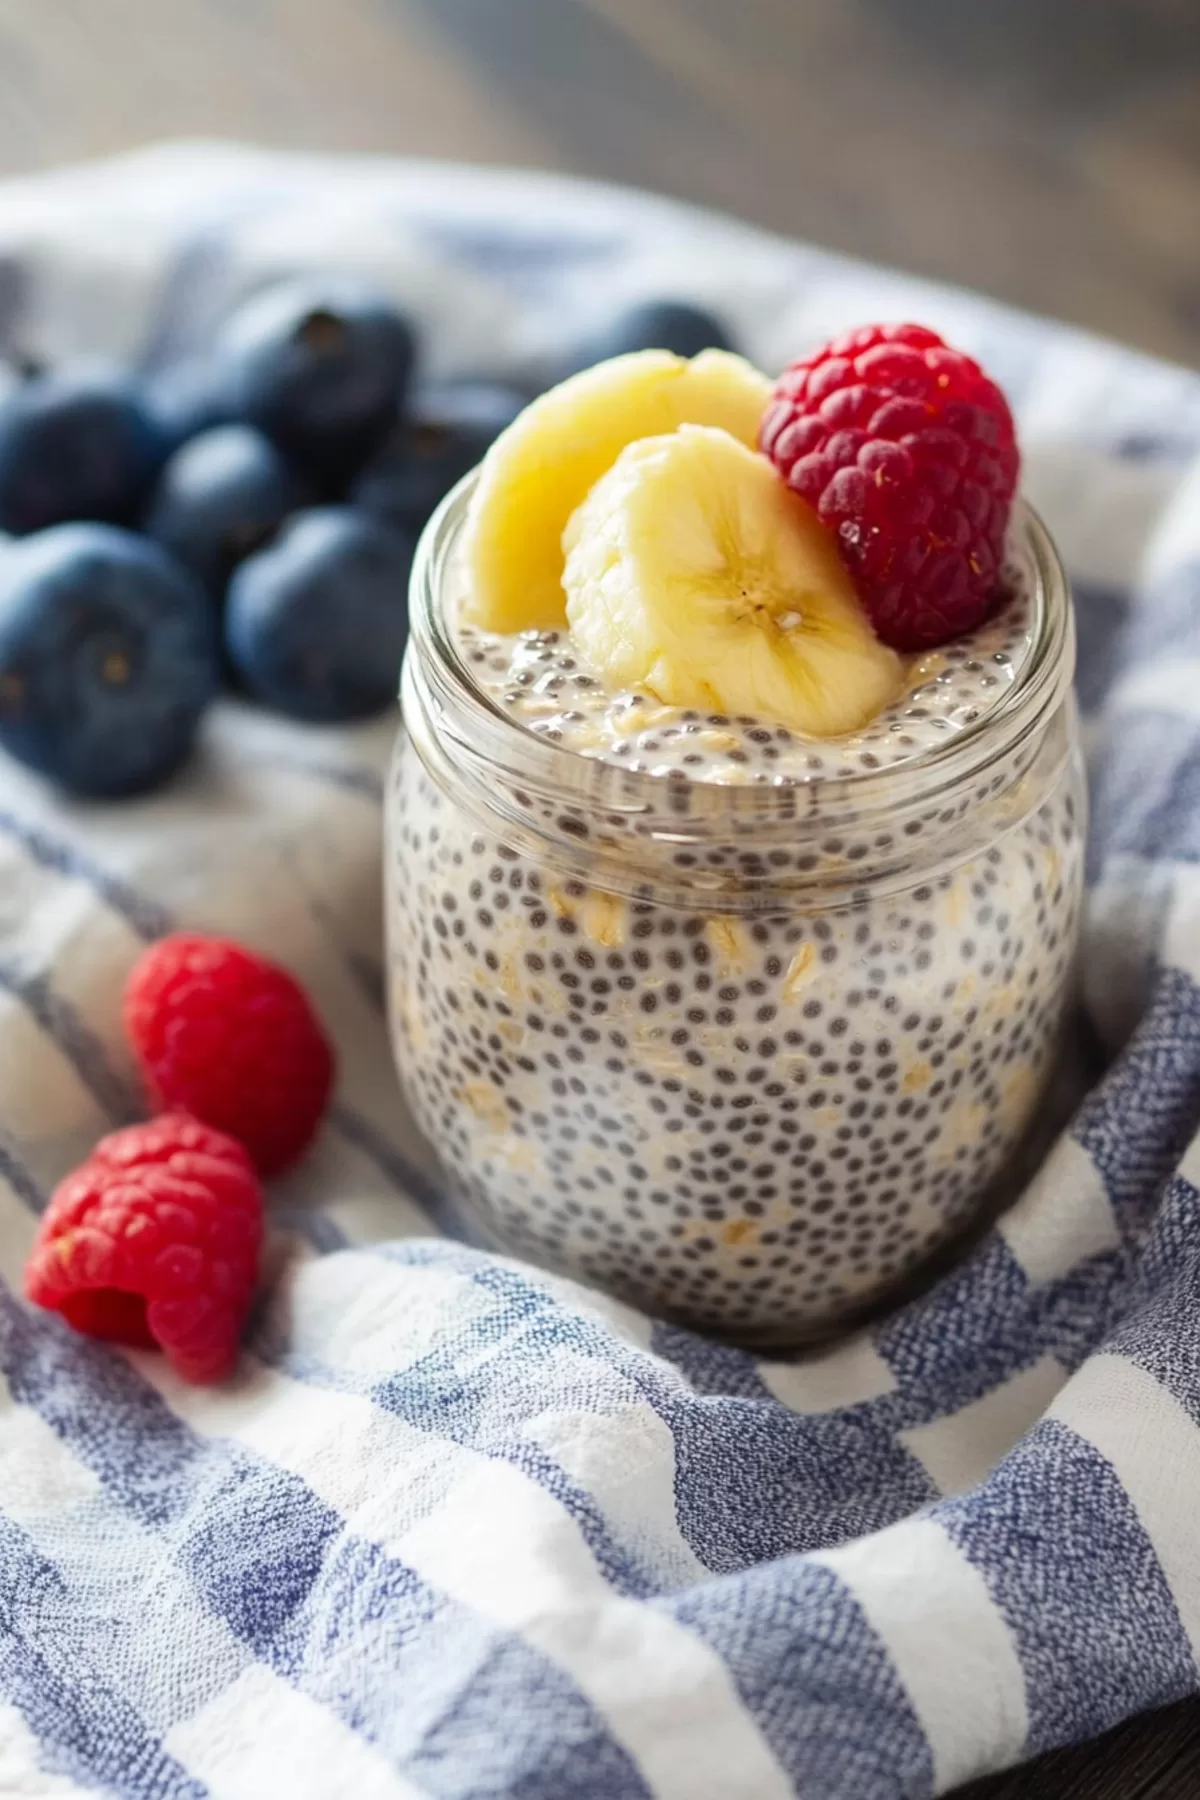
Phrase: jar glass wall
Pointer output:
(744, 1055)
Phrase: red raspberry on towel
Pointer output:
(231, 1038)
(908, 453)
(155, 1240)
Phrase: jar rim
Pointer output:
(496, 741)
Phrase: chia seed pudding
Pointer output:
(737, 1025)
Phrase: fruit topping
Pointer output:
(694, 574)
(907, 451)
(540, 469)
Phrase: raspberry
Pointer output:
(907, 451)
(155, 1240)
(232, 1039)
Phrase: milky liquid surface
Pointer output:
(538, 679)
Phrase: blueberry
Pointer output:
(221, 495)
(75, 444)
(448, 429)
(183, 400)
(322, 369)
(652, 325)
(315, 624)
(108, 658)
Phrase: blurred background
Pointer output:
(1042, 150)
(1047, 151)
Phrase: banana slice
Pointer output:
(540, 469)
(692, 572)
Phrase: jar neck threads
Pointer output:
(738, 847)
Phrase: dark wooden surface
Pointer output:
(1045, 150)
(1156, 1757)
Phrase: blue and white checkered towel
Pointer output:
(461, 1530)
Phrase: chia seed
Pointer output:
(888, 997)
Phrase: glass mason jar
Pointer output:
(743, 1055)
